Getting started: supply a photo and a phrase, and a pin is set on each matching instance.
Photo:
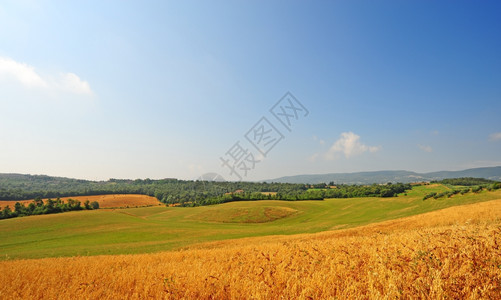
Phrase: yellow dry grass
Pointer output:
(4, 203)
(453, 253)
(105, 201)
(119, 200)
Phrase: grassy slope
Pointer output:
(451, 253)
(152, 229)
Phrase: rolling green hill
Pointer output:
(152, 229)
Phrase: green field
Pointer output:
(152, 229)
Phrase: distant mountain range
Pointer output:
(493, 173)
(44, 182)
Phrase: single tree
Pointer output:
(94, 205)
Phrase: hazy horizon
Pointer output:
(204, 176)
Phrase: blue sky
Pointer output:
(137, 89)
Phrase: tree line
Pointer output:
(465, 181)
(38, 207)
(186, 192)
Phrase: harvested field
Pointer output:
(105, 201)
(452, 253)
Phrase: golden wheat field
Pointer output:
(452, 253)
(105, 201)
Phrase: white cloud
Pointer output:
(31, 79)
(72, 83)
(349, 144)
(23, 73)
(495, 137)
(425, 148)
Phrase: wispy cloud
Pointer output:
(28, 77)
(495, 137)
(349, 144)
(425, 148)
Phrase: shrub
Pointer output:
(440, 195)
(476, 189)
(429, 195)
(94, 205)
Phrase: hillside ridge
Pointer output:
(492, 173)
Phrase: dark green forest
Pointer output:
(185, 192)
